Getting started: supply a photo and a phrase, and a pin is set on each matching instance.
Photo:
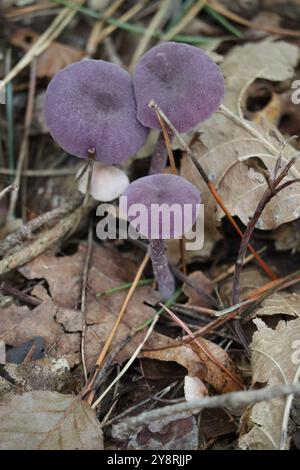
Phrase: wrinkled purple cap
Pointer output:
(91, 104)
(161, 206)
(182, 80)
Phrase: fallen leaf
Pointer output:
(273, 362)
(45, 374)
(54, 58)
(227, 150)
(198, 279)
(266, 59)
(48, 421)
(177, 432)
(58, 320)
(198, 364)
(281, 303)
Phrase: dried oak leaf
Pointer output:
(200, 365)
(54, 58)
(273, 362)
(43, 420)
(63, 274)
(226, 147)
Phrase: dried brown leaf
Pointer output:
(273, 362)
(54, 58)
(198, 364)
(48, 421)
(178, 432)
(58, 320)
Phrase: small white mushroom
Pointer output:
(194, 388)
(108, 182)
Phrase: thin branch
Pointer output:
(83, 295)
(227, 400)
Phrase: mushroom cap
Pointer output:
(107, 182)
(91, 105)
(166, 206)
(182, 80)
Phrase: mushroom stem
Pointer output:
(159, 156)
(163, 275)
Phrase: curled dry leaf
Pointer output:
(198, 364)
(54, 58)
(274, 361)
(44, 420)
(274, 61)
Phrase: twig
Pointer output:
(202, 347)
(25, 298)
(228, 400)
(83, 295)
(286, 414)
(272, 190)
(26, 230)
(7, 190)
(44, 240)
(40, 173)
(211, 188)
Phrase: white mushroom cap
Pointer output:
(194, 388)
(108, 182)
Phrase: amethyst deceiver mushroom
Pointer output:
(91, 105)
(168, 206)
(183, 81)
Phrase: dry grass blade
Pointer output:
(128, 364)
(215, 5)
(202, 347)
(92, 42)
(189, 16)
(54, 30)
(123, 309)
(157, 21)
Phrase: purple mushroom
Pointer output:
(91, 105)
(167, 207)
(183, 81)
